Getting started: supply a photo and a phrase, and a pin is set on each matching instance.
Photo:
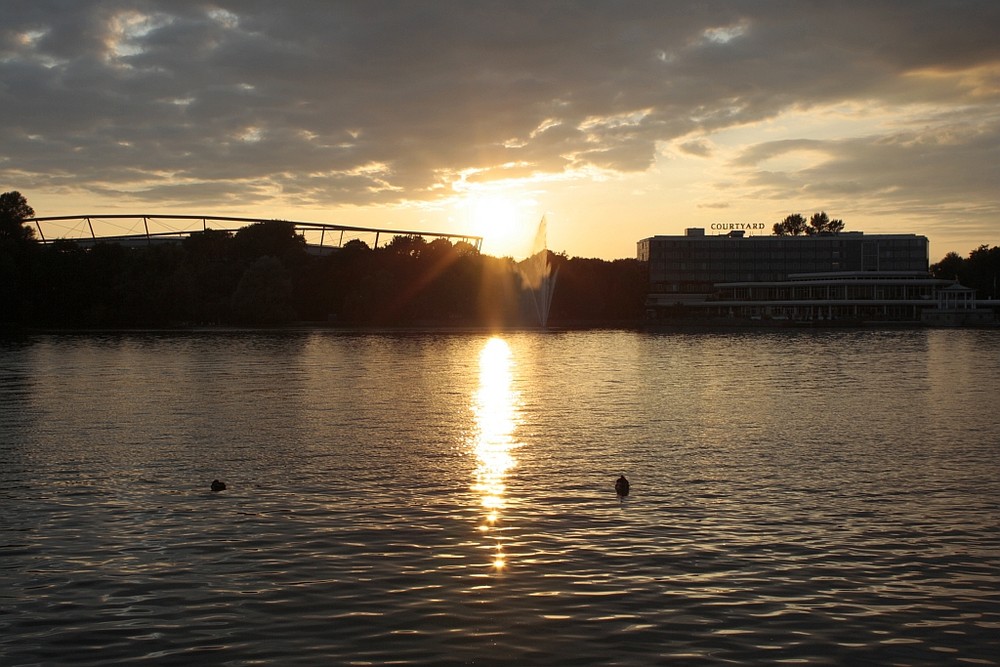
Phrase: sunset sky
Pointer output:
(616, 120)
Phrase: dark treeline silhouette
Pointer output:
(980, 270)
(264, 275)
(796, 225)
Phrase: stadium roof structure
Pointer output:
(134, 229)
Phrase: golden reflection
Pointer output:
(495, 407)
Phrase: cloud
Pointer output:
(697, 147)
(949, 165)
(377, 102)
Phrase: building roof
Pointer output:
(824, 236)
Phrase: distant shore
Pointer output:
(648, 326)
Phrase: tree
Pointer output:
(793, 225)
(14, 210)
(410, 245)
(821, 222)
(817, 223)
(949, 268)
(208, 246)
(15, 257)
(264, 294)
(272, 238)
(983, 271)
(466, 249)
(796, 225)
(357, 246)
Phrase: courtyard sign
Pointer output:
(730, 226)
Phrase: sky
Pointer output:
(615, 120)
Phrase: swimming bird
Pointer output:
(218, 486)
(621, 486)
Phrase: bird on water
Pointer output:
(218, 486)
(621, 486)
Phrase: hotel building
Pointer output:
(831, 278)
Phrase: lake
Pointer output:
(447, 498)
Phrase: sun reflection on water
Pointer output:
(496, 412)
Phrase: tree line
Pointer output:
(980, 270)
(264, 275)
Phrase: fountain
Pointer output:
(537, 275)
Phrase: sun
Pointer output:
(502, 220)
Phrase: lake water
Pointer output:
(447, 498)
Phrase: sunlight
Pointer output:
(496, 412)
(499, 560)
(503, 220)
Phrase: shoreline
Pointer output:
(643, 326)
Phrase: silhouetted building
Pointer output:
(696, 262)
(847, 277)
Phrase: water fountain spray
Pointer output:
(537, 275)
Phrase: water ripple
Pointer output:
(862, 529)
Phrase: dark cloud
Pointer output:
(375, 102)
(697, 147)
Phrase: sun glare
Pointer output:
(504, 222)
(495, 409)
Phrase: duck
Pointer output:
(218, 486)
(621, 486)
